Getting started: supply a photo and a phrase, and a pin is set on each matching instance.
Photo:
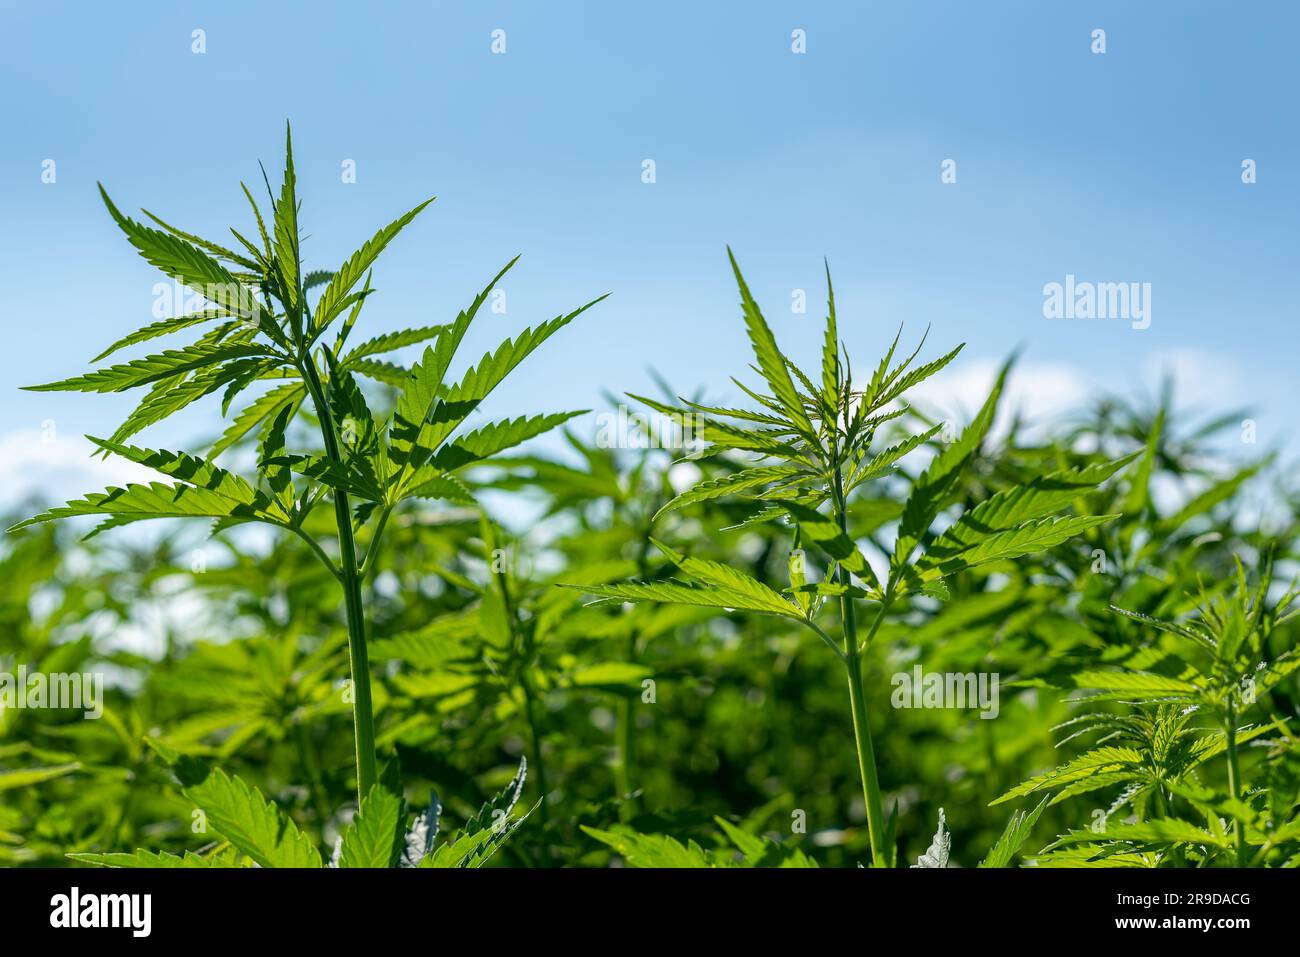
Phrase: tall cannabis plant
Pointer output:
(267, 327)
(1188, 693)
(813, 442)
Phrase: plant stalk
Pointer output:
(858, 699)
(363, 716)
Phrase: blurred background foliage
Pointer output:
(660, 719)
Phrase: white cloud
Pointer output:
(1040, 391)
(58, 468)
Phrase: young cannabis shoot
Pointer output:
(813, 446)
(268, 329)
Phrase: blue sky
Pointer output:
(1121, 167)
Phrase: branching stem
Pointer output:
(349, 575)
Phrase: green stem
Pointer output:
(368, 564)
(858, 698)
(862, 734)
(362, 708)
(315, 547)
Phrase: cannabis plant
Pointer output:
(812, 441)
(1188, 694)
(266, 325)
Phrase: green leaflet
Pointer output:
(422, 384)
(1016, 506)
(652, 850)
(332, 300)
(770, 360)
(371, 840)
(830, 393)
(157, 500)
(250, 822)
(830, 538)
(213, 249)
(485, 832)
(425, 417)
(164, 327)
(286, 231)
(485, 442)
(386, 372)
(189, 469)
(187, 265)
(390, 341)
(1158, 831)
(1133, 683)
(710, 489)
(880, 463)
(1013, 836)
(901, 384)
(1097, 761)
(932, 486)
(266, 406)
(611, 676)
(1009, 543)
(140, 372)
(276, 474)
(664, 851)
(758, 596)
(704, 596)
(146, 859)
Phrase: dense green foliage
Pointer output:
(659, 664)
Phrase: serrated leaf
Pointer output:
(830, 538)
(138, 372)
(487, 441)
(390, 341)
(186, 264)
(770, 360)
(732, 580)
(936, 854)
(933, 485)
(254, 825)
(331, 301)
(1097, 761)
(147, 859)
(426, 415)
(1013, 507)
(1013, 836)
(264, 407)
(155, 500)
(672, 593)
(164, 327)
(371, 839)
(420, 836)
(1009, 543)
(710, 489)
